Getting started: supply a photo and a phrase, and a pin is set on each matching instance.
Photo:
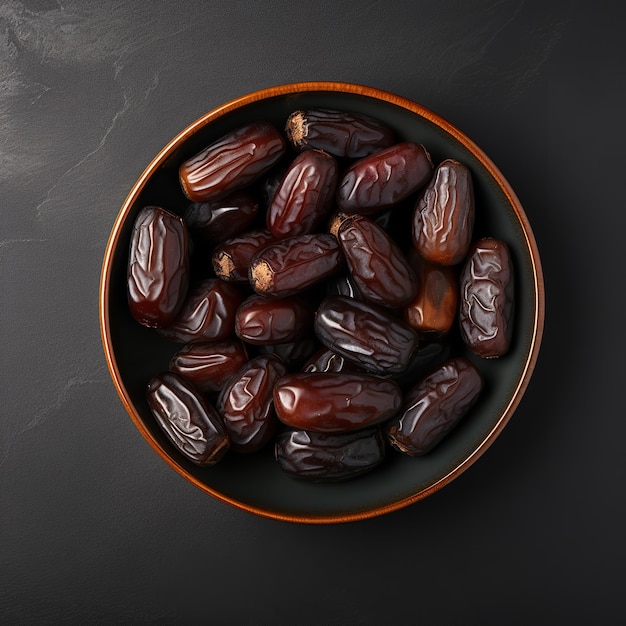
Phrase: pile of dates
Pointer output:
(321, 283)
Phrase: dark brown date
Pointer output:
(216, 221)
(433, 310)
(378, 266)
(366, 334)
(323, 457)
(231, 259)
(487, 298)
(304, 196)
(246, 403)
(384, 178)
(443, 220)
(283, 320)
(208, 313)
(328, 362)
(343, 285)
(233, 162)
(434, 406)
(209, 365)
(292, 265)
(187, 419)
(294, 354)
(335, 403)
(158, 267)
(337, 132)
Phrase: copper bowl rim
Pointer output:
(371, 92)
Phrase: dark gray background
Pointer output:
(96, 528)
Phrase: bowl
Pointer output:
(254, 482)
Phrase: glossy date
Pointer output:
(187, 419)
(486, 310)
(158, 267)
(377, 265)
(339, 133)
(233, 162)
(305, 195)
(246, 403)
(434, 406)
(324, 457)
(368, 335)
(231, 259)
(384, 178)
(292, 265)
(443, 220)
(335, 402)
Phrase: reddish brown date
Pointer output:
(208, 313)
(209, 365)
(365, 334)
(337, 132)
(305, 195)
(231, 259)
(294, 264)
(433, 310)
(323, 457)
(328, 362)
(443, 220)
(335, 403)
(158, 267)
(434, 406)
(378, 266)
(187, 419)
(233, 162)
(246, 403)
(283, 320)
(216, 221)
(384, 178)
(486, 310)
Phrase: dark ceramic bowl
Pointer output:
(255, 482)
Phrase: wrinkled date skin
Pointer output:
(208, 313)
(304, 196)
(434, 406)
(231, 259)
(335, 403)
(443, 220)
(216, 221)
(209, 365)
(262, 321)
(379, 268)
(433, 310)
(233, 162)
(187, 419)
(323, 457)
(292, 265)
(384, 178)
(337, 132)
(328, 362)
(158, 267)
(368, 335)
(486, 310)
(246, 404)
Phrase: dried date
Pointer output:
(379, 268)
(486, 310)
(231, 259)
(366, 334)
(326, 361)
(305, 195)
(187, 419)
(233, 162)
(292, 265)
(323, 457)
(434, 406)
(246, 403)
(158, 267)
(443, 220)
(339, 133)
(335, 402)
(385, 178)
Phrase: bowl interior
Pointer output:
(255, 482)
